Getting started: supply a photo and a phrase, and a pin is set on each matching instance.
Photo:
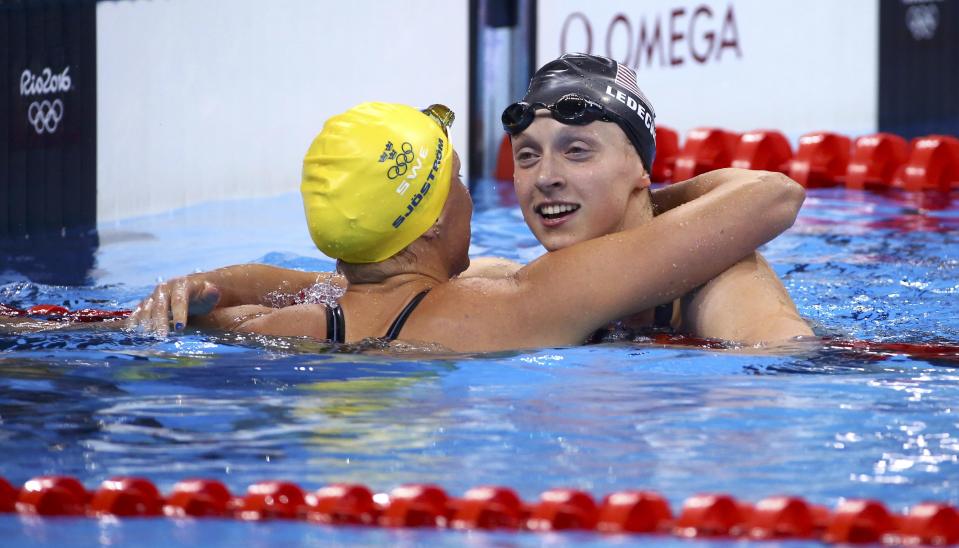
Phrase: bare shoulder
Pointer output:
(746, 303)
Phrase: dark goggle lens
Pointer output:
(570, 108)
(517, 117)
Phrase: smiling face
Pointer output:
(575, 183)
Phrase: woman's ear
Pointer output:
(434, 231)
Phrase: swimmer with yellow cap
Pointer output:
(375, 179)
(382, 194)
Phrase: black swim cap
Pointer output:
(603, 81)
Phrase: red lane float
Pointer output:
(61, 313)
(860, 522)
(705, 149)
(821, 160)
(8, 497)
(272, 500)
(488, 508)
(874, 351)
(634, 512)
(53, 496)
(875, 160)
(127, 497)
(344, 504)
(493, 507)
(563, 509)
(198, 498)
(416, 505)
(931, 524)
(782, 517)
(504, 160)
(711, 516)
(667, 148)
(932, 165)
(880, 351)
(768, 150)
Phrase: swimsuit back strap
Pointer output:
(335, 324)
(397, 326)
(663, 315)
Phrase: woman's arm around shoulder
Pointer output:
(564, 295)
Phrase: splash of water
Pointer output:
(324, 291)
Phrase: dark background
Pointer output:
(48, 181)
(919, 73)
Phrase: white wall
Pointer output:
(796, 66)
(203, 99)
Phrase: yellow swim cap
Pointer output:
(375, 179)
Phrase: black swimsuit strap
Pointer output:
(662, 320)
(335, 324)
(663, 315)
(397, 326)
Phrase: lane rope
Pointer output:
(491, 508)
(874, 351)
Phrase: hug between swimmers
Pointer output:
(383, 196)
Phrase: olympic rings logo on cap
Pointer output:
(45, 115)
(402, 160)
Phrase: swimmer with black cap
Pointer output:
(401, 248)
(583, 142)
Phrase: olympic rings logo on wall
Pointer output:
(922, 20)
(45, 115)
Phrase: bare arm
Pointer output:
(568, 293)
(491, 267)
(200, 294)
(746, 303)
(668, 197)
(663, 200)
(295, 320)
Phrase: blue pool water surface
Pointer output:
(821, 422)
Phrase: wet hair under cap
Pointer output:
(606, 82)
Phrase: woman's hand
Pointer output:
(175, 300)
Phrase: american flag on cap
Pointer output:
(627, 78)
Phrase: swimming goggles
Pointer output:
(442, 115)
(570, 109)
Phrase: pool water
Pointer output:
(824, 422)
